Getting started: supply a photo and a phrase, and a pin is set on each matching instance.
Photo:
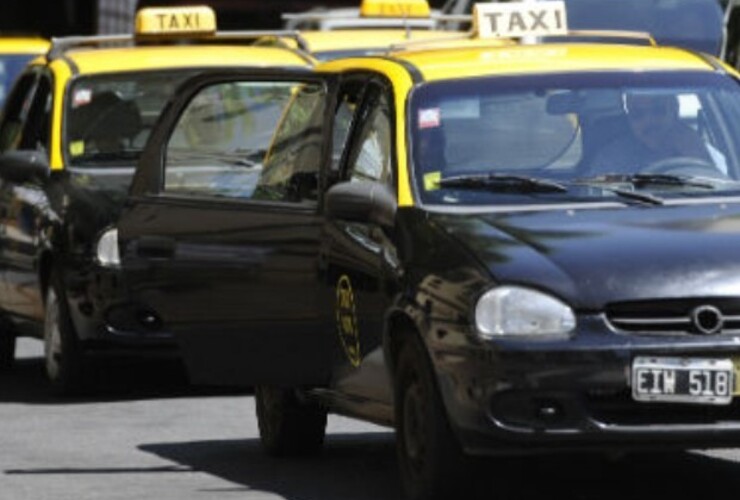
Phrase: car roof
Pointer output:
(444, 63)
(23, 45)
(135, 58)
(343, 18)
(318, 41)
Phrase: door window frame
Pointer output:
(149, 179)
(360, 126)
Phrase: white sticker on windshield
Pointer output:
(81, 97)
(430, 118)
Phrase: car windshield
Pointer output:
(10, 68)
(108, 118)
(640, 136)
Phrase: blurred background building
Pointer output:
(79, 17)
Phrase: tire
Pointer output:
(7, 347)
(431, 462)
(63, 358)
(287, 425)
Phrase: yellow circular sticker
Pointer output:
(347, 320)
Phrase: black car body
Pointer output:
(73, 129)
(434, 241)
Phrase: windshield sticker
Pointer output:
(347, 320)
(81, 97)
(77, 148)
(431, 181)
(430, 118)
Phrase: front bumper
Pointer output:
(108, 321)
(525, 396)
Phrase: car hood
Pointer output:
(591, 257)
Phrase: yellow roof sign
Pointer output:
(395, 8)
(195, 20)
(520, 19)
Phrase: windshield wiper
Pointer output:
(600, 181)
(641, 180)
(503, 183)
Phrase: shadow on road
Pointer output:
(110, 380)
(352, 466)
(363, 467)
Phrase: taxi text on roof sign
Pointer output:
(196, 20)
(395, 8)
(520, 19)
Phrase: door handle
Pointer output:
(156, 247)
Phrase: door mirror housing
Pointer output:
(362, 201)
(24, 166)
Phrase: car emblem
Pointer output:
(707, 320)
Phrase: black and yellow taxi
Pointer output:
(497, 248)
(371, 29)
(15, 53)
(73, 129)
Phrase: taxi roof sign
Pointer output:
(176, 21)
(395, 8)
(520, 19)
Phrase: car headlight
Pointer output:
(107, 249)
(513, 311)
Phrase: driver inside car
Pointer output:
(656, 140)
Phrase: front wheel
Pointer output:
(63, 357)
(288, 426)
(431, 462)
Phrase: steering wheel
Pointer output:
(683, 165)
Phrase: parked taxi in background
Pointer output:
(377, 25)
(496, 249)
(73, 129)
(15, 53)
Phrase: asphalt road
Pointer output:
(148, 435)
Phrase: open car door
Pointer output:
(219, 240)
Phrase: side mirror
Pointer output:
(24, 166)
(363, 201)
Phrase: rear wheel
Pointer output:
(63, 357)
(288, 425)
(7, 346)
(430, 459)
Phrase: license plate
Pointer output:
(683, 380)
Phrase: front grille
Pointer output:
(675, 317)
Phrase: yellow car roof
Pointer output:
(441, 62)
(23, 45)
(122, 59)
(317, 41)
(320, 41)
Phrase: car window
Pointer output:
(371, 156)
(10, 68)
(35, 134)
(108, 118)
(16, 112)
(348, 100)
(248, 140)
